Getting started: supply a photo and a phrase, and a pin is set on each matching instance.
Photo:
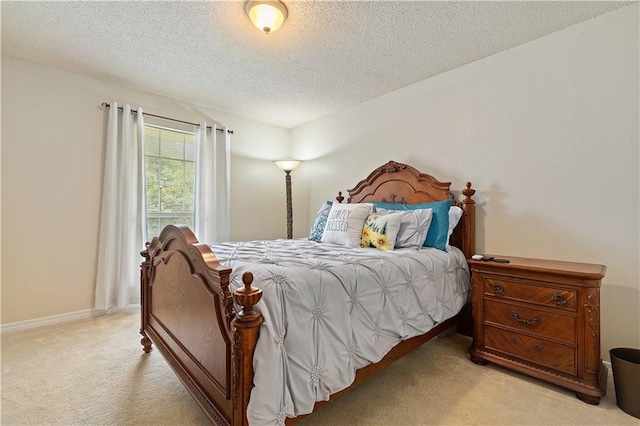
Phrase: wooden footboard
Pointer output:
(188, 312)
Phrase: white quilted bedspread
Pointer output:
(330, 310)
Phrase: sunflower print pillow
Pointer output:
(380, 231)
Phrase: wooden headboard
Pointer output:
(400, 183)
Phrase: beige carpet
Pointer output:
(94, 372)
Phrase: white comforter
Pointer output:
(330, 310)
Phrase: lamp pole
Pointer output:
(288, 166)
(289, 205)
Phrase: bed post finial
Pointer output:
(246, 329)
(340, 197)
(247, 297)
(468, 193)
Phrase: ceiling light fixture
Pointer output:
(268, 16)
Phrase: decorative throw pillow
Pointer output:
(413, 228)
(380, 231)
(439, 228)
(320, 221)
(344, 223)
(455, 213)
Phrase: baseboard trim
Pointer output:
(59, 319)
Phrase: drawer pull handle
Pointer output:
(559, 299)
(497, 289)
(538, 348)
(532, 321)
(514, 340)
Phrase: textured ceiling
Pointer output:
(327, 55)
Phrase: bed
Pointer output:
(204, 313)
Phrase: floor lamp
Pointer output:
(288, 166)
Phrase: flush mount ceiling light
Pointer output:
(268, 16)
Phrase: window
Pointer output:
(170, 174)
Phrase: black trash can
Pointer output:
(625, 363)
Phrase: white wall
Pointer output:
(548, 134)
(52, 148)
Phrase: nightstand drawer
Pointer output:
(536, 321)
(543, 352)
(531, 293)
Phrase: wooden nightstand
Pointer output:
(541, 318)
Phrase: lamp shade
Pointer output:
(287, 165)
(268, 16)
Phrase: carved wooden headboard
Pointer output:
(400, 183)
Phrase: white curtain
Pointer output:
(213, 158)
(123, 218)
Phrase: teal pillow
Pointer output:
(438, 234)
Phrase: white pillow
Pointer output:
(380, 231)
(455, 213)
(345, 222)
(413, 228)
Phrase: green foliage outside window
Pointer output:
(169, 177)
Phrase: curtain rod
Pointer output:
(106, 105)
